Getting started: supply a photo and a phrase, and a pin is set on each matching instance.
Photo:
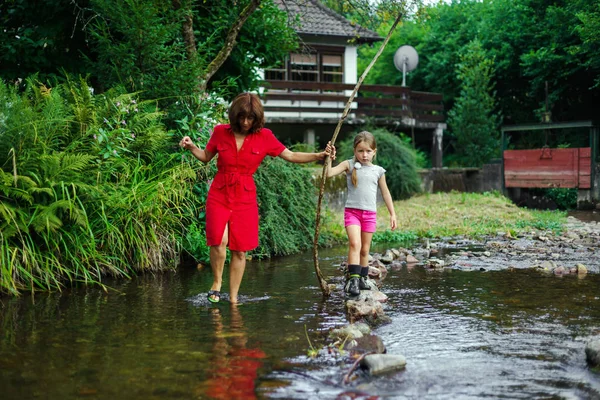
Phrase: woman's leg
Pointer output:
(236, 273)
(217, 261)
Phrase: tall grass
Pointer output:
(88, 187)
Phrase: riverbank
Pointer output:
(472, 231)
(444, 215)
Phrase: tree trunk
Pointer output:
(230, 42)
(187, 30)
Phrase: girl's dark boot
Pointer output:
(353, 282)
(363, 283)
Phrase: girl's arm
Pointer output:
(202, 155)
(338, 169)
(389, 203)
(299, 158)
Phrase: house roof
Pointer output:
(311, 18)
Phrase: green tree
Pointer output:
(162, 49)
(42, 37)
(473, 120)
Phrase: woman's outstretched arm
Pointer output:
(202, 155)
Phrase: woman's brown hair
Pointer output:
(362, 137)
(246, 105)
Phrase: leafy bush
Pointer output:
(396, 156)
(287, 206)
(83, 195)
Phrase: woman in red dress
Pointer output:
(231, 206)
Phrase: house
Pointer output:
(306, 94)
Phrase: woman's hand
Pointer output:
(187, 143)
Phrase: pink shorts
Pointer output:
(367, 220)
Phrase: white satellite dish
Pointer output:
(406, 59)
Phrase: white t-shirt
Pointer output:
(364, 195)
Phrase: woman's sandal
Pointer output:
(214, 293)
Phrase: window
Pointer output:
(304, 67)
(279, 73)
(322, 64)
(332, 68)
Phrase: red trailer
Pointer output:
(550, 167)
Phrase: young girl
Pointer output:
(360, 215)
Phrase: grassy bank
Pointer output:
(469, 215)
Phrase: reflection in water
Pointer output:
(234, 367)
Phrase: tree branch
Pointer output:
(324, 287)
(187, 30)
(230, 42)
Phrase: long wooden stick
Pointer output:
(322, 283)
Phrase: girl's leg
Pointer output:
(236, 273)
(365, 249)
(354, 243)
(351, 287)
(217, 262)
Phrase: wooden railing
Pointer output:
(374, 101)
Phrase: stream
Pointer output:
(514, 334)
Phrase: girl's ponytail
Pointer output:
(354, 175)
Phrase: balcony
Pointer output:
(296, 101)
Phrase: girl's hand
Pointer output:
(187, 143)
(393, 222)
(330, 150)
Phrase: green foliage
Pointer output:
(70, 214)
(565, 198)
(396, 236)
(531, 41)
(42, 37)
(472, 120)
(287, 207)
(396, 156)
(139, 45)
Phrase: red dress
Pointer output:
(232, 194)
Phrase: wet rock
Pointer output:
(411, 259)
(367, 344)
(365, 309)
(376, 295)
(559, 270)
(436, 263)
(421, 253)
(396, 265)
(387, 258)
(374, 272)
(349, 332)
(378, 364)
(592, 352)
(581, 269)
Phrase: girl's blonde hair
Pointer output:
(362, 137)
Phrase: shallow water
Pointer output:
(466, 335)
